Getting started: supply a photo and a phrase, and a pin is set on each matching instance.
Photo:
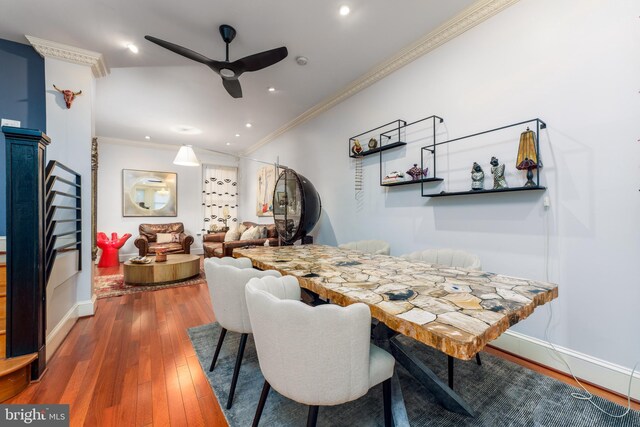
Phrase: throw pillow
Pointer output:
(232, 235)
(257, 232)
(263, 232)
(249, 234)
(242, 228)
(164, 237)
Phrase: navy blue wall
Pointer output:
(22, 97)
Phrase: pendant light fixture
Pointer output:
(186, 157)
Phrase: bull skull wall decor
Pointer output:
(69, 95)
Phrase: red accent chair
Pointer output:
(110, 247)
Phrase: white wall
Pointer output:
(115, 155)
(575, 65)
(70, 131)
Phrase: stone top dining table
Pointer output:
(454, 310)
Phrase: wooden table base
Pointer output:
(176, 268)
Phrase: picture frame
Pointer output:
(149, 193)
(267, 176)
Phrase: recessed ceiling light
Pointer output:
(344, 10)
(147, 137)
(302, 60)
(272, 89)
(248, 125)
(186, 130)
(132, 47)
(228, 143)
(237, 135)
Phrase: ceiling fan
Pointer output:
(229, 71)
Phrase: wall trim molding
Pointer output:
(597, 371)
(61, 330)
(51, 49)
(87, 307)
(473, 15)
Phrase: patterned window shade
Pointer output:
(219, 196)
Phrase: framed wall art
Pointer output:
(149, 193)
(267, 176)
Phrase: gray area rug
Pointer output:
(502, 393)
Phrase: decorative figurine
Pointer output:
(477, 177)
(497, 170)
(393, 177)
(356, 149)
(373, 143)
(415, 172)
(69, 95)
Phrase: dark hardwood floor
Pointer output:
(132, 364)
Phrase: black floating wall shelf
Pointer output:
(386, 136)
(431, 148)
(398, 124)
(416, 181)
(503, 190)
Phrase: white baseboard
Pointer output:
(597, 371)
(87, 308)
(60, 331)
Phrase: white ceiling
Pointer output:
(148, 93)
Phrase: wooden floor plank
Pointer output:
(203, 388)
(73, 386)
(189, 397)
(144, 408)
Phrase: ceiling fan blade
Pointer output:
(260, 60)
(187, 53)
(233, 87)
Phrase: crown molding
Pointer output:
(473, 15)
(162, 146)
(49, 49)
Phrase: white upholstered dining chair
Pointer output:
(447, 257)
(376, 247)
(318, 356)
(227, 278)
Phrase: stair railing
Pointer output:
(62, 207)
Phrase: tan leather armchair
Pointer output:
(147, 243)
(212, 244)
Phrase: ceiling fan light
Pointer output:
(225, 72)
(133, 48)
(186, 157)
(344, 10)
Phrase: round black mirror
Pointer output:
(296, 206)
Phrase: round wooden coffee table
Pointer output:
(177, 267)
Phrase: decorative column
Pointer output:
(94, 197)
(26, 293)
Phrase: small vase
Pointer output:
(161, 257)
